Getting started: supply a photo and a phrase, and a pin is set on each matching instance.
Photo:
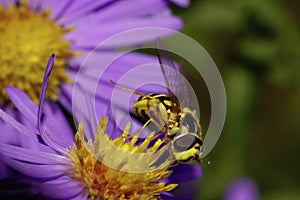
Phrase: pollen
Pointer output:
(114, 180)
(27, 38)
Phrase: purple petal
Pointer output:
(65, 98)
(57, 7)
(52, 127)
(16, 125)
(167, 196)
(83, 36)
(34, 144)
(5, 3)
(33, 170)
(84, 5)
(23, 103)
(44, 89)
(31, 156)
(34, 5)
(83, 111)
(19, 134)
(61, 188)
(52, 109)
(185, 172)
(80, 9)
(242, 188)
(11, 132)
(53, 112)
(8, 135)
(129, 9)
(75, 62)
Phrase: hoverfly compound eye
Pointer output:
(189, 122)
(184, 142)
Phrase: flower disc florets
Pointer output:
(27, 38)
(104, 182)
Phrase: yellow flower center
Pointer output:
(104, 182)
(27, 39)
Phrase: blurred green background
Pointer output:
(256, 45)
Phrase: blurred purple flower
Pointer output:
(242, 189)
(58, 165)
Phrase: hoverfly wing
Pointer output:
(164, 158)
(174, 77)
(176, 82)
(170, 73)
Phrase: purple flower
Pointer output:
(59, 165)
(31, 30)
(69, 29)
(242, 189)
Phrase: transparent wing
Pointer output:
(184, 90)
(177, 90)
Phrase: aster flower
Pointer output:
(242, 189)
(30, 30)
(61, 166)
(69, 29)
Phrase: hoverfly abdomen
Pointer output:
(143, 105)
(157, 107)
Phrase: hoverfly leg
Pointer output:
(158, 135)
(167, 140)
(143, 127)
(162, 157)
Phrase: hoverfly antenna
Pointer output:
(127, 89)
(113, 82)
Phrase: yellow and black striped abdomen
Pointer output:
(154, 106)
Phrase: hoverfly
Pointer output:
(179, 123)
